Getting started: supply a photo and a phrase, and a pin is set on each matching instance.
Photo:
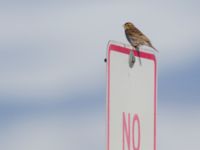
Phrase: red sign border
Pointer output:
(145, 55)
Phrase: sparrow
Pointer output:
(135, 37)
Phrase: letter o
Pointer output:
(135, 120)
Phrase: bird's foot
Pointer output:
(139, 58)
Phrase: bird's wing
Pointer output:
(137, 31)
(144, 38)
(140, 35)
(134, 34)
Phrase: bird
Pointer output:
(136, 38)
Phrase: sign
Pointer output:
(131, 99)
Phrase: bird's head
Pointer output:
(128, 25)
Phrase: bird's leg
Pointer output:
(131, 58)
(138, 50)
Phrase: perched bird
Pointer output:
(135, 37)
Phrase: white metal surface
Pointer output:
(131, 100)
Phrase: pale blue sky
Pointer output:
(52, 81)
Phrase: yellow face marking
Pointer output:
(128, 25)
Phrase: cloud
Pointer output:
(47, 51)
(178, 129)
(57, 131)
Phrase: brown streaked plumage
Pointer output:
(135, 37)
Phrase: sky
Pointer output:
(53, 78)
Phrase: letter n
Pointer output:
(125, 131)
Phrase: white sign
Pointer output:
(131, 99)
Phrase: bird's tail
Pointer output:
(149, 43)
(154, 48)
